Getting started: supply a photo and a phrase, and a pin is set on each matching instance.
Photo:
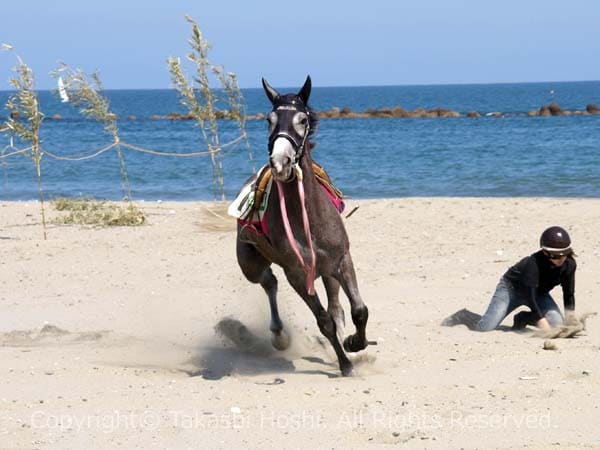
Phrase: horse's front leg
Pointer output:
(334, 308)
(258, 270)
(325, 321)
(359, 311)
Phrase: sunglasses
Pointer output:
(554, 256)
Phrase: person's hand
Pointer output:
(543, 324)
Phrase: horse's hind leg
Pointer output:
(359, 311)
(334, 308)
(257, 270)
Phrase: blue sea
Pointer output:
(513, 155)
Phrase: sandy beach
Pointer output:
(150, 337)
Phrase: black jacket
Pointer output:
(536, 275)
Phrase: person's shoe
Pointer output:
(521, 320)
(462, 317)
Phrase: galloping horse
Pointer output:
(306, 236)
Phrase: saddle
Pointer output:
(250, 206)
(264, 179)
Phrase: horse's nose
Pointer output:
(278, 165)
(275, 165)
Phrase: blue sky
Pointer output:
(340, 43)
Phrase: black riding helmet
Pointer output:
(556, 241)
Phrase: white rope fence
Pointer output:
(80, 158)
(83, 156)
(16, 152)
(185, 155)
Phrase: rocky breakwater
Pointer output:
(397, 112)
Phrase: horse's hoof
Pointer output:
(353, 344)
(348, 371)
(280, 340)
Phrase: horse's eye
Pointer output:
(272, 120)
(301, 119)
(300, 123)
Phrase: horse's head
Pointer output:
(291, 122)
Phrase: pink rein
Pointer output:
(308, 268)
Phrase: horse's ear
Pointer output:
(305, 91)
(271, 93)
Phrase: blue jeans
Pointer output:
(506, 299)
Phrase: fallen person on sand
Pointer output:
(528, 283)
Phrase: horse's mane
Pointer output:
(313, 121)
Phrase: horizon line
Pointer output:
(356, 86)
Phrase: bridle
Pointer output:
(298, 146)
(297, 106)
